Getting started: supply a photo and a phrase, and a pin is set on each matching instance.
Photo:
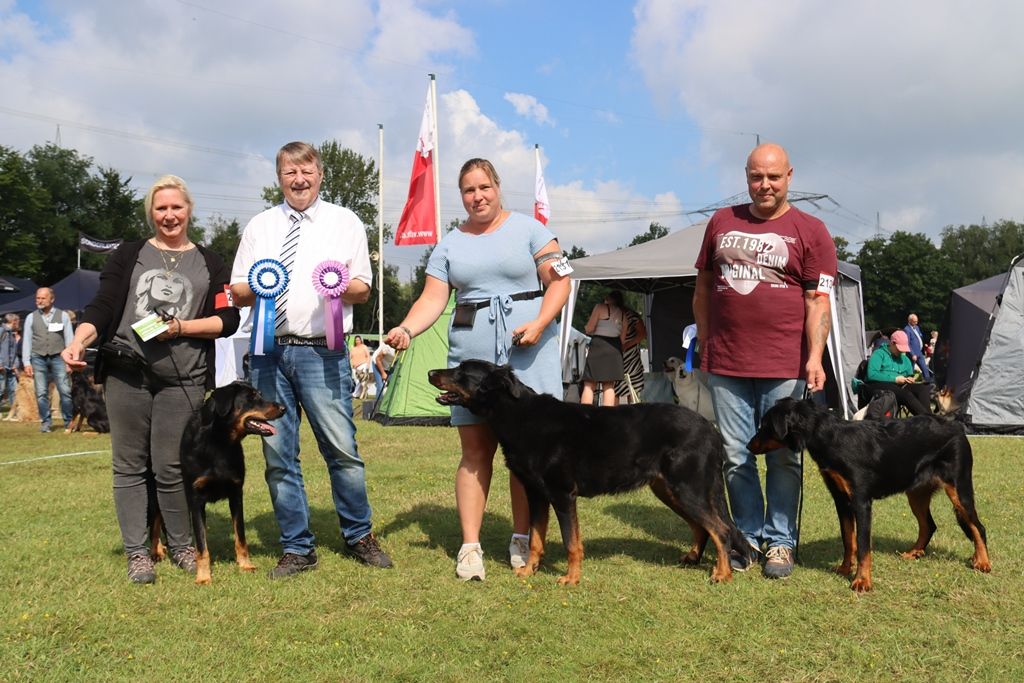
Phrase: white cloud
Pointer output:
(528, 107)
(909, 108)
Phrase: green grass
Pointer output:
(67, 611)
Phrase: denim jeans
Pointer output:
(378, 382)
(8, 385)
(320, 380)
(44, 370)
(739, 404)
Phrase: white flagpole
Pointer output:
(380, 231)
(436, 163)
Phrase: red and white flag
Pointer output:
(541, 208)
(417, 224)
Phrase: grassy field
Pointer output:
(67, 611)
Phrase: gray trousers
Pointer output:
(146, 426)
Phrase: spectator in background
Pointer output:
(929, 348)
(607, 330)
(916, 342)
(632, 384)
(48, 331)
(890, 368)
(9, 359)
(382, 360)
(360, 355)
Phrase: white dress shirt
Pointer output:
(327, 232)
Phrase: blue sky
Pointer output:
(906, 114)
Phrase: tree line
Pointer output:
(50, 194)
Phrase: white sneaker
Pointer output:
(518, 552)
(470, 563)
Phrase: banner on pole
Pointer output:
(417, 224)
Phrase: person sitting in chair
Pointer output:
(890, 368)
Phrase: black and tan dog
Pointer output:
(563, 450)
(213, 464)
(87, 405)
(865, 461)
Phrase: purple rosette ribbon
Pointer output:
(268, 278)
(330, 280)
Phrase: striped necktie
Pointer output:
(288, 250)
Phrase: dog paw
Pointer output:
(690, 558)
(721, 577)
(913, 554)
(568, 581)
(524, 572)
(203, 580)
(247, 567)
(860, 585)
(982, 565)
(843, 569)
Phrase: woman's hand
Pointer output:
(173, 330)
(74, 356)
(528, 334)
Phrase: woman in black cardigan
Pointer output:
(153, 386)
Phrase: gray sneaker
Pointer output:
(140, 568)
(185, 558)
(780, 562)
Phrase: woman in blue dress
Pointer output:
(510, 263)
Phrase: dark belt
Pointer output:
(292, 340)
(518, 296)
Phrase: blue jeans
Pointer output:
(378, 382)
(739, 404)
(8, 385)
(320, 380)
(44, 370)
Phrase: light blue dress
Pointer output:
(491, 267)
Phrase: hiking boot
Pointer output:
(291, 564)
(469, 565)
(368, 551)
(743, 559)
(518, 552)
(185, 558)
(780, 562)
(140, 569)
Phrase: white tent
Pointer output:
(663, 271)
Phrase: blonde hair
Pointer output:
(167, 182)
(299, 153)
(485, 166)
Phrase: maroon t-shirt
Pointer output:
(756, 307)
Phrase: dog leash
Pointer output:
(800, 502)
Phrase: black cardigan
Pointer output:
(104, 312)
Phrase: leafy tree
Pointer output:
(655, 231)
(23, 207)
(978, 252)
(843, 252)
(901, 274)
(224, 237)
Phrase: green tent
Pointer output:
(408, 398)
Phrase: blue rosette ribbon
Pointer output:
(268, 278)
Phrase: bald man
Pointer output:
(47, 332)
(765, 275)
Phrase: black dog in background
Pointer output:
(213, 464)
(563, 450)
(865, 461)
(87, 405)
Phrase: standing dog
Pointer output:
(213, 464)
(563, 450)
(865, 461)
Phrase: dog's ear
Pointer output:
(510, 382)
(220, 403)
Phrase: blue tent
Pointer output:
(72, 293)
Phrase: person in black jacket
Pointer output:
(154, 384)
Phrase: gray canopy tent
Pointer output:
(981, 351)
(663, 271)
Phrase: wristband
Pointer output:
(405, 329)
